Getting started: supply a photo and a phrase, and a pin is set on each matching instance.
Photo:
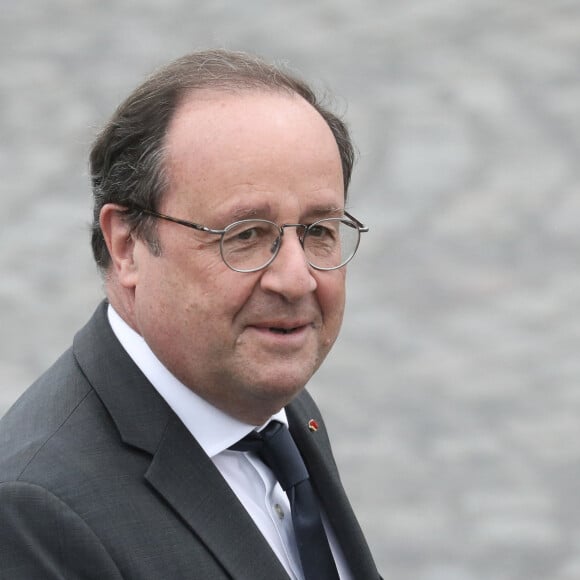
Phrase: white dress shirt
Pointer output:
(215, 431)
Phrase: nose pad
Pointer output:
(276, 245)
(301, 233)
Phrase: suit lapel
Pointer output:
(184, 475)
(180, 471)
(316, 451)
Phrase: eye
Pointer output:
(322, 231)
(247, 234)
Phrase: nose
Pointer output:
(289, 274)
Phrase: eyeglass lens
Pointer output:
(252, 244)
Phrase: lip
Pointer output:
(282, 333)
(281, 326)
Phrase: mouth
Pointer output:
(283, 330)
(281, 336)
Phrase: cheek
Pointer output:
(331, 296)
(217, 299)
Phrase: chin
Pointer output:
(282, 389)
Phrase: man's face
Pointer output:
(230, 157)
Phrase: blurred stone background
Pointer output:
(453, 394)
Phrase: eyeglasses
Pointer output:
(253, 244)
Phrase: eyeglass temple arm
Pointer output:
(175, 220)
(362, 228)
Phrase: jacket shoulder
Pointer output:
(39, 413)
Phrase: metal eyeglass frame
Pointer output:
(359, 226)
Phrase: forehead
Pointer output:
(217, 109)
(252, 141)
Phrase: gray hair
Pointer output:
(127, 160)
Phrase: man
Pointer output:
(220, 229)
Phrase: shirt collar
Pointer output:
(213, 429)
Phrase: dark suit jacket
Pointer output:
(100, 480)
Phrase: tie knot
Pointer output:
(275, 446)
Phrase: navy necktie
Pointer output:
(275, 446)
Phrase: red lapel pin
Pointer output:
(313, 425)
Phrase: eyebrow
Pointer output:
(328, 211)
(243, 213)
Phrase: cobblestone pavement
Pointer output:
(454, 393)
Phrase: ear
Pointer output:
(120, 243)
